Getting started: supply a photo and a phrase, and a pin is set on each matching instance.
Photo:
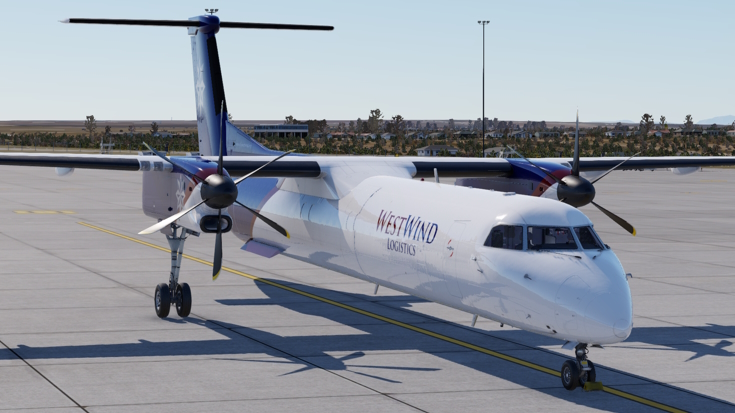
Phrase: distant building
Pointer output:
(520, 134)
(281, 131)
(617, 133)
(415, 135)
(465, 134)
(433, 150)
(546, 134)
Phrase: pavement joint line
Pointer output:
(515, 360)
(686, 326)
(314, 365)
(42, 376)
(231, 329)
(646, 381)
(701, 290)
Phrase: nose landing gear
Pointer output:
(580, 371)
(174, 293)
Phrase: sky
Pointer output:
(612, 60)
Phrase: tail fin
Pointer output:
(210, 92)
(210, 99)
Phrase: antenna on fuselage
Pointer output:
(211, 11)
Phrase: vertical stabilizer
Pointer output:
(212, 123)
(210, 92)
(210, 97)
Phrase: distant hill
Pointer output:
(720, 120)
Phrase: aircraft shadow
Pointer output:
(248, 345)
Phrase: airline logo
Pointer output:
(406, 227)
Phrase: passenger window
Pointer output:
(588, 239)
(506, 236)
(551, 238)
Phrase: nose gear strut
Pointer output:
(580, 371)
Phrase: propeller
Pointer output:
(218, 191)
(578, 191)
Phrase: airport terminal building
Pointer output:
(281, 131)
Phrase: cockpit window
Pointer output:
(506, 236)
(588, 238)
(551, 238)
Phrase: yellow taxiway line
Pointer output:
(407, 326)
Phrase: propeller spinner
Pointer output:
(219, 192)
(578, 191)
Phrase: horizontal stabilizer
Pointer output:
(197, 23)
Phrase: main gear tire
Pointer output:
(183, 300)
(162, 300)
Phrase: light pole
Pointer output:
(483, 23)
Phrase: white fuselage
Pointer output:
(406, 235)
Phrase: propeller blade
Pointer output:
(575, 163)
(614, 168)
(221, 138)
(164, 157)
(558, 181)
(267, 163)
(166, 222)
(620, 221)
(267, 221)
(217, 263)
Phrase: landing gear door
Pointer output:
(454, 254)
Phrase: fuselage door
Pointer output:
(453, 255)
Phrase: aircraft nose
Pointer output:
(622, 328)
(609, 315)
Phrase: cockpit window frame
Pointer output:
(570, 228)
(504, 224)
(525, 227)
(594, 234)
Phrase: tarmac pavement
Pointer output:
(78, 330)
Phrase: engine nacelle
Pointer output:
(203, 218)
(208, 224)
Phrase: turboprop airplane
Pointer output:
(531, 262)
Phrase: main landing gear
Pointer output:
(580, 371)
(174, 293)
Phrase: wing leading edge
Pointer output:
(311, 166)
(603, 164)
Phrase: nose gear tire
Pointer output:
(162, 300)
(570, 375)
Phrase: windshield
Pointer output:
(551, 238)
(588, 238)
(506, 236)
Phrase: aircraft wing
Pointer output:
(111, 162)
(590, 164)
(316, 166)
